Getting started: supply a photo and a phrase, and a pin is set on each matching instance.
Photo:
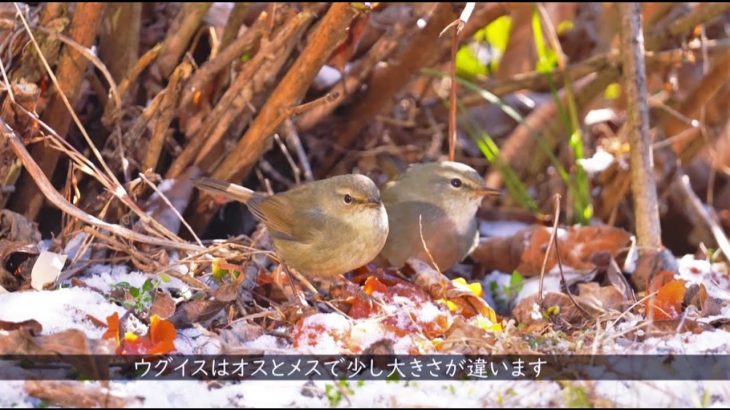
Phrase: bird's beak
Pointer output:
(486, 191)
(373, 203)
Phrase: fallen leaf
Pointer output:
(73, 394)
(227, 292)
(697, 296)
(16, 228)
(556, 308)
(459, 296)
(525, 250)
(722, 323)
(162, 335)
(196, 311)
(159, 339)
(113, 331)
(598, 299)
(667, 303)
(618, 281)
(241, 331)
(382, 347)
(670, 327)
(33, 327)
(360, 307)
(163, 305)
(372, 284)
(68, 342)
(650, 264)
(465, 338)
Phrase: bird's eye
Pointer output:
(348, 199)
(456, 182)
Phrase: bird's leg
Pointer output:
(316, 294)
(388, 276)
(299, 294)
(346, 289)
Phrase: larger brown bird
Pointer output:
(435, 203)
(323, 228)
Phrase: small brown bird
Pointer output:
(445, 196)
(323, 228)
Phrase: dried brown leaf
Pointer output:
(73, 394)
(598, 299)
(196, 311)
(525, 250)
(163, 305)
(465, 338)
(556, 306)
(34, 328)
(241, 331)
(16, 227)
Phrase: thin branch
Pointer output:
(708, 88)
(289, 91)
(172, 207)
(452, 89)
(643, 185)
(286, 95)
(294, 142)
(211, 68)
(111, 113)
(179, 34)
(380, 51)
(563, 282)
(703, 13)
(236, 100)
(284, 150)
(233, 24)
(699, 213)
(113, 89)
(168, 110)
(83, 29)
(419, 52)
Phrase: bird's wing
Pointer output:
(284, 221)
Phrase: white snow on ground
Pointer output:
(103, 277)
(13, 395)
(59, 310)
(67, 308)
(500, 228)
(380, 394)
(716, 282)
(195, 340)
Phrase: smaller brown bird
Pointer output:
(323, 228)
(438, 202)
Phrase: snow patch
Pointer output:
(59, 310)
(500, 228)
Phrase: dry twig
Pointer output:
(286, 95)
(643, 186)
(179, 35)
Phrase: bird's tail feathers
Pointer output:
(227, 189)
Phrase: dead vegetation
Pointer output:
(109, 110)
